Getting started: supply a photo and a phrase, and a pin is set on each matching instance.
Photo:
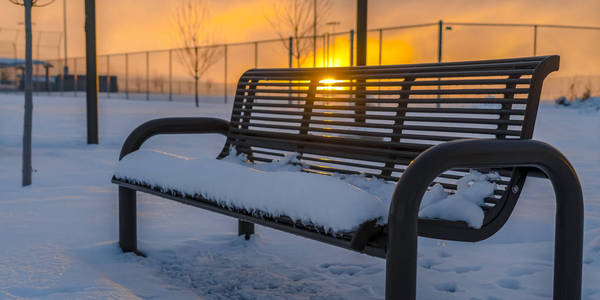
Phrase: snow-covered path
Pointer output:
(58, 237)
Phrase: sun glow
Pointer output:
(327, 84)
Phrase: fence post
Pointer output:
(170, 74)
(47, 79)
(535, 30)
(323, 58)
(256, 54)
(291, 51)
(440, 27)
(328, 36)
(225, 76)
(147, 75)
(126, 76)
(440, 35)
(108, 76)
(380, 44)
(75, 79)
(314, 33)
(351, 47)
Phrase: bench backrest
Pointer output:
(377, 119)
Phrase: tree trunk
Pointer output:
(196, 89)
(27, 122)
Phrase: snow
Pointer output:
(280, 189)
(312, 199)
(465, 204)
(59, 235)
(591, 104)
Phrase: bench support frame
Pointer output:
(401, 260)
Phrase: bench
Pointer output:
(415, 125)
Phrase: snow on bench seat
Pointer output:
(310, 198)
(337, 203)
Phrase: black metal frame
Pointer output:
(523, 154)
(397, 242)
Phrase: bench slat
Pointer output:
(395, 92)
(386, 100)
(397, 83)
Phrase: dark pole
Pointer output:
(28, 107)
(440, 35)
(380, 45)
(47, 78)
(225, 75)
(351, 47)
(291, 52)
(108, 76)
(314, 33)
(66, 67)
(535, 29)
(291, 56)
(361, 32)
(440, 28)
(126, 76)
(170, 75)
(91, 75)
(328, 35)
(256, 54)
(147, 75)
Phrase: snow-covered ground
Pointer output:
(58, 237)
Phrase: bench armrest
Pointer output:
(483, 153)
(171, 126)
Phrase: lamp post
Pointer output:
(361, 32)
(91, 74)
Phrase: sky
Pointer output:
(129, 25)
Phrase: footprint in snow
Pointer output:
(428, 263)
(449, 287)
(349, 269)
(509, 283)
(521, 271)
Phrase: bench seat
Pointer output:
(324, 201)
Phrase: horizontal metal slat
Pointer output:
(345, 144)
(392, 92)
(387, 100)
(483, 111)
(412, 146)
(416, 68)
(385, 75)
(456, 120)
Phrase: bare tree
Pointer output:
(191, 18)
(296, 19)
(27, 120)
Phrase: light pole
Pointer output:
(91, 74)
(361, 32)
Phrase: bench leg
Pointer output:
(401, 262)
(127, 220)
(245, 228)
(568, 239)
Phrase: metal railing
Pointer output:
(158, 74)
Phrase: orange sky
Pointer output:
(127, 25)
(136, 25)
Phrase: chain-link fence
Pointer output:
(161, 75)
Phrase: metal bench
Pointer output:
(416, 124)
